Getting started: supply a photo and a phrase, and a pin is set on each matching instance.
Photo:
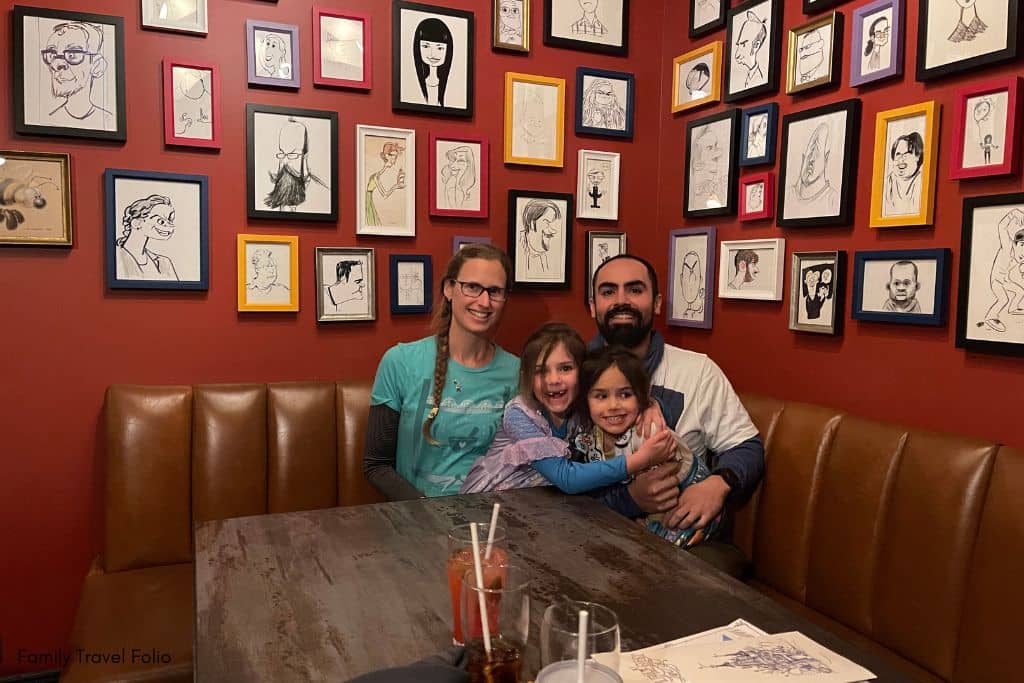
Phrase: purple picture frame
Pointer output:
(289, 77)
(672, 316)
(459, 240)
(896, 40)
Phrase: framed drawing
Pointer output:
(432, 59)
(758, 126)
(510, 25)
(876, 42)
(903, 179)
(346, 285)
(990, 305)
(985, 138)
(68, 74)
(342, 48)
(157, 231)
(697, 77)
(540, 238)
(751, 269)
(757, 196)
(273, 53)
(973, 33)
(815, 54)
(597, 185)
(592, 25)
(709, 184)
(816, 291)
(188, 16)
(268, 273)
(411, 283)
(707, 16)
(292, 163)
(35, 202)
(752, 49)
(459, 241)
(817, 172)
(691, 277)
(458, 176)
(604, 103)
(385, 181)
(910, 286)
(191, 104)
(534, 119)
(601, 246)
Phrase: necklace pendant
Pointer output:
(458, 385)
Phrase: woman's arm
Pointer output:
(379, 455)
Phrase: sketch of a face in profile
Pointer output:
(757, 135)
(274, 51)
(817, 288)
(755, 197)
(74, 56)
(812, 192)
(1006, 278)
(903, 178)
(708, 170)
(534, 132)
(691, 282)
(293, 174)
(603, 254)
(810, 52)
(510, 21)
(410, 285)
(697, 81)
(432, 52)
(601, 106)
(748, 51)
(192, 103)
(348, 285)
(588, 24)
(745, 268)
(541, 225)
(385, 181)
(147, 219)
(262, 285)
(341, 55)
(969, 25)
(458, 176)
(877, 50)
(901, 288)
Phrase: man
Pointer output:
(878, 38)
(291, 179)
(903, 183)
(710, 175)
(540, 226)
(595, 181)
(588, 24)
(749, 41)
(810, 55)
(811, 194)
(696, 399)
(510, 21)
(263, 286)
(902, 288)
(691, 284)
(745, 265)
(74, 56)
(697, 81)
(348, 284)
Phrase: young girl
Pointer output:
(615, 388)
(531, 447)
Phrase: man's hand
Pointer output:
(656, 490)
(651, 421)
(698, 504)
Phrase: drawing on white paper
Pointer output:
(692, 286)
(817, 289)
(903, 164)
(265, 283)
(757, 136)
(534, 124)
(385, 186)
(1006, 278)
(293, 174)
(588, 23)
(655, 669)
(541, 227)
(510, 22)
(598, 173)
(814, 163)
(812, 49)
(784, 659)
(193, 102)
(705, 12)
(969, 25)
(458, 178)
(433, 49)
(985, 134)
(697, 80)
(273, 54)
(877, 48)
(144, 220)
(348, 287)
(410, 284)
(709, 166)
(745, 269)
(341, 48)
(755, 197)
(602, 105)
(749, 67)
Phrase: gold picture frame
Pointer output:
(534, 120)
(35, 199)
(261, 283)
(702, 82)
(504, 24)
(815, 53)
(903, 174)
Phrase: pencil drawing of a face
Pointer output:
(510, 21)
(349, 283)
(810, 55)
(814, 160)
(750, 40)
(691, 282)
(274, 59)
(74, 57)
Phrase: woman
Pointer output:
(150, 218)
(437, 402)
(458, 176)
(378, 181)
(432, 47)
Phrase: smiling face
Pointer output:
(589, 6)
(158, 224)
(433, 53)
(905, 162)
(624, 303)
(67, 78)
(476, 315)
(555, 381)
(880, 33)
(274, 51)
(543, 229)
(613, 403)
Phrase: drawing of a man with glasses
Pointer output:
(74, 56)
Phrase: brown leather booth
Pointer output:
(907, 542)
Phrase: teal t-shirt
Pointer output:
(472, 402)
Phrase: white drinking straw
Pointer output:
(478, 569)
(581, 647)
(490, 533)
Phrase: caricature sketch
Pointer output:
(273, 54)
(410, 284)
(510, 21)
(458, 179)
(755, 197)
(697, 79)
(602, 252)
(432, 52)
(588, 24)
(31, 200)
(705, 11)
(597, 173)
(389, 178)
(902, 192)
(193, 103)
(347, 290)
(293, 174)
(76, 59)
(817, 289)
(969, 25)
(541, 225)
(745, 269)
(145, 219)
(811, 192)
(692, 287)
(601, 104)
(984, 139)
(749, 67)
(433, 55)
(877, 48)
(812, 63)
(341, 53)
(757, 135)
(1006, 278)
(263, 284)
(709, 166)
(901, 288)
(600, 22)
(534, 122)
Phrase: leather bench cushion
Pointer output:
(764, 412)
(145, 609)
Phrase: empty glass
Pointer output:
(559, 635)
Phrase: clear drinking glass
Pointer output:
(506, 599)
(460, 558)
(559, 632)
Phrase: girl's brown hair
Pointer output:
(628, 364)
(539, 346)
(442, 322)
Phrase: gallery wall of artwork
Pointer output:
(77, 318)
(869, 357)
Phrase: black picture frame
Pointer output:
(711, 26)
(852, 108)
(515, 246)
(729, 208)
(583, 72)
(773, 50)
(397, 103)
(969, 259)
(251, 110)
(23, 127)
(620, 50)
(940, 296)
(926, 73)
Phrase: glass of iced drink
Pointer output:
(506, 599)
(559, 635)
(460, 559)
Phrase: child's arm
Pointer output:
(577, 477)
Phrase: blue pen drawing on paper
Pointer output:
(656, 670)
(783, 659)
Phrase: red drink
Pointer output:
(502, 666)
(459, 563)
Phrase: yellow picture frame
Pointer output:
(901, 194)
(259, 273)
(526, 143)
(714, 82)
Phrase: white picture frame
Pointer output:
(187, 16)
(751, 269)
(385, 181)
(597, 185)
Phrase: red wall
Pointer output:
(899, 373)
(66, 337)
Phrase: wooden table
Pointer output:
(330, 594)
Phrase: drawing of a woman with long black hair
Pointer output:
(379, 181)
(432, 48)
(150, 218)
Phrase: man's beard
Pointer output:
(65, 88)
(629, 335)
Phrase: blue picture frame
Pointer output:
(585, 120)
(134, 197)
(397, 307)
(771, 135)
(939, 296)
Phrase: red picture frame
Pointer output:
(456, 187)
(966, 123)
(191, 105)
(319, 13)
(767, 209)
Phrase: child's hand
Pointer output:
(654, 451)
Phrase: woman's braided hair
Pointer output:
(442, 321)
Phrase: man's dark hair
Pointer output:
(344, 269)
(915, 145)
(747, 256)
(650, 272)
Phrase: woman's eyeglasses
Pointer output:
(475, 289)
